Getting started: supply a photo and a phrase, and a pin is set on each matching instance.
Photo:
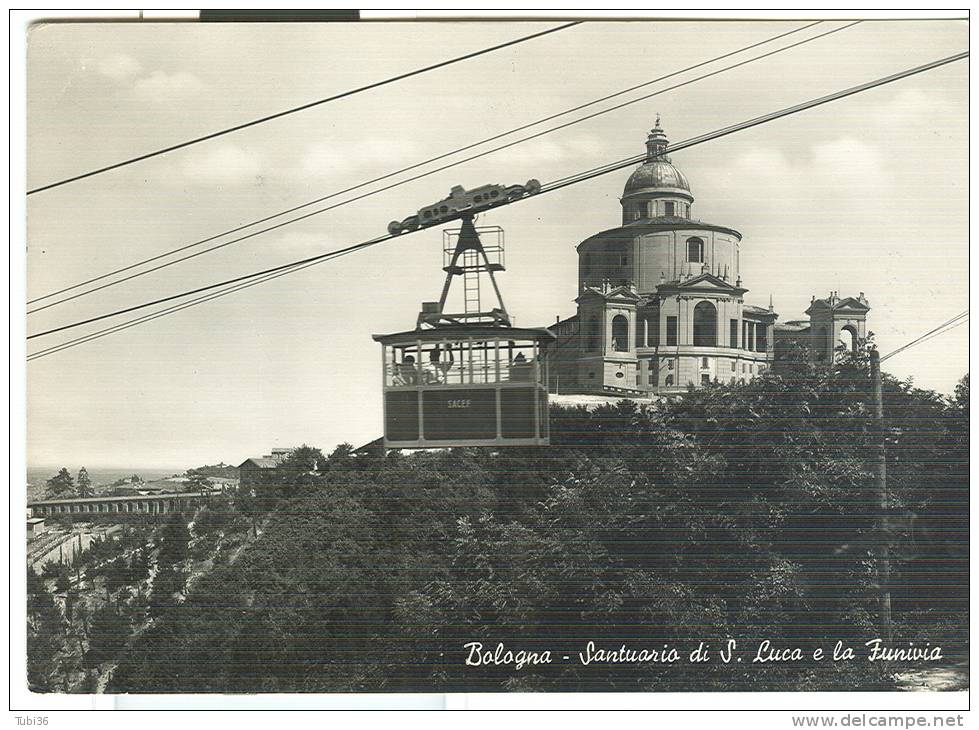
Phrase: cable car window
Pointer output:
(517, 362)
(447, 363)
(402, 369)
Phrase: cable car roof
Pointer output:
(461, 331)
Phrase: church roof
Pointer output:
(655, 225)
(755, 311)
(703, 281)
(834, 302)
(615, 292)
(655, 174)
(261, 462)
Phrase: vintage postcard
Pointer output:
(499, 356)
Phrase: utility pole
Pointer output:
(883, 526)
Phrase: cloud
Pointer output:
(329, 160)
(162, 88)
(119, 67)
(552, 149)
(224, 165)
(301, 243)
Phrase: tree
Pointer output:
(962, 393)
(44, 627)
(61, 485)
(198, 481)
(109, 632)
(139, 567)
(84, 483)
(63, 583)
(167, 582)
(305, 458)
(733, 511)
(297, 475)
(176, 536)
(116, 574)
(341, 456)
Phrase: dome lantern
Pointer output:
(656, 188)
(656, 144)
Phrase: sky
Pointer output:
(868, 194)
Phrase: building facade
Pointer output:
(661, 301)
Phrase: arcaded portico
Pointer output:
(151, 504)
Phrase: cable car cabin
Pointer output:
(465, 385)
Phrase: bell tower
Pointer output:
(836, 321)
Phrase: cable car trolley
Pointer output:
(468, 378)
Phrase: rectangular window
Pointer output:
(744, 335)
(670, 331)
(704, 362)
(652, 208)
(705, 379)
(734, 333)
(734, 367)
(669, 208)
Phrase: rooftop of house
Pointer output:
(262, 462)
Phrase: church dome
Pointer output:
(657, 173)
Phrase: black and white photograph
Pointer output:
(470, 358)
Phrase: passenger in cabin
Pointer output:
(432, 371)
(445, 365)
(407, 373)
(520, 369)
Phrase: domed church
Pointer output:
(661, 300)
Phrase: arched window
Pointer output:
(695, 250)
(848, 338)
(669, 381)
(620, 333)
(705, 325)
